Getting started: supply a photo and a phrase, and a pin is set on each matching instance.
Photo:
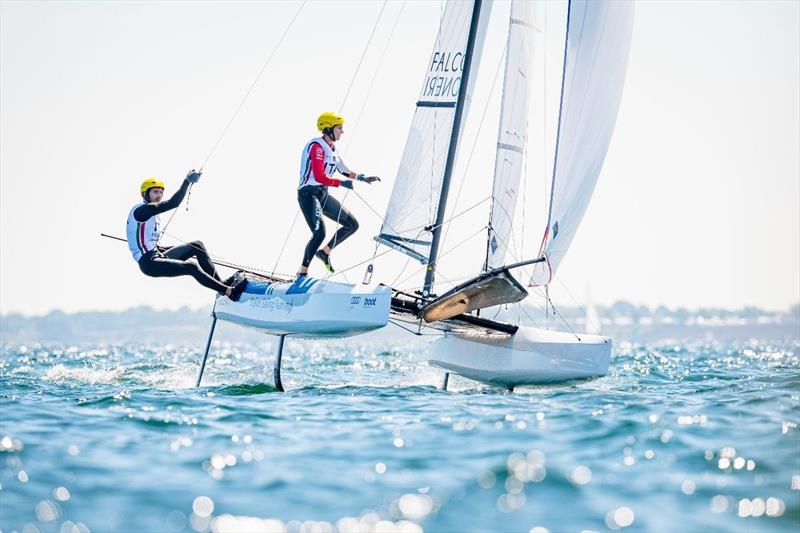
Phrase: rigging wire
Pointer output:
(417, 271)
(235, 113)
(363, 54)
(477, 136)
(347, 94)
(557, 313)
(417, 333)
(341, 107)
(286, 240)
(431, 202)
(351, 267)
(229, 264)
(377, 70)
(253, 85)
(390, 249)
(575, 301)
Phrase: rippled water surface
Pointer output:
(695, 437)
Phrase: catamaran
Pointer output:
(596, 49)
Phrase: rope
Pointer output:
(288, 235)
(402, 270)
(229, 264)
(575, 301)
(253, 85)
(564, 320)
(347, 94)
(431, 209)
(380, 217)
(351, 267)
(377, 69)
(442, 256)
(475, 141)
(235, 113)
(364, 53)
(447, 221)
(522, 308)
(431, 228)
(396, 323)
(171, 216)
(415, 333)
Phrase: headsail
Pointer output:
(596, 58)
(513, 130)
(414, 203)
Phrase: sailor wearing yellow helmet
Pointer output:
(318, 163)
(144, 232)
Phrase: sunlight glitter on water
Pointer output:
(88, 428)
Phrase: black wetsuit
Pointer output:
(173, 261)
(314, 202)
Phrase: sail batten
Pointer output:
(512, 131)
(412, 217)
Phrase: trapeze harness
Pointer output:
(317, 165)
(144, 231)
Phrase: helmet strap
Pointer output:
(328, 132)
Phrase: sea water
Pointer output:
(699, 436)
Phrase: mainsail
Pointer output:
(414, 205)
(595, 60)
(513, 130)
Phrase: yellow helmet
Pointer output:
(149, 183)
(329, 120)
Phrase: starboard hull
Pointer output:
(529, 357)
(308, 308)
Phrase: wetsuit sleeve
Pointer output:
(317, 155)
(342, 168)
(146, 211)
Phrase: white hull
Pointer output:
(530, 356)
(308, 308)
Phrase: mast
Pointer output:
(451, 150)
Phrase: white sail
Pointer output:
(513, 130)
(414, 202)
(596, 58)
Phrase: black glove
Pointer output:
(193, 176)
(347, 184)
(367, 179)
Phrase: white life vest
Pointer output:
(142, 236)
(332, 163)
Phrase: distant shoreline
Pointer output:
(622, 320)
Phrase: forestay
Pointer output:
(414, 202)
(596, 57)
(513, 130)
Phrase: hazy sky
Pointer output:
(698, 203)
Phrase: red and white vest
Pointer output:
(332, 163)
(142, 236)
